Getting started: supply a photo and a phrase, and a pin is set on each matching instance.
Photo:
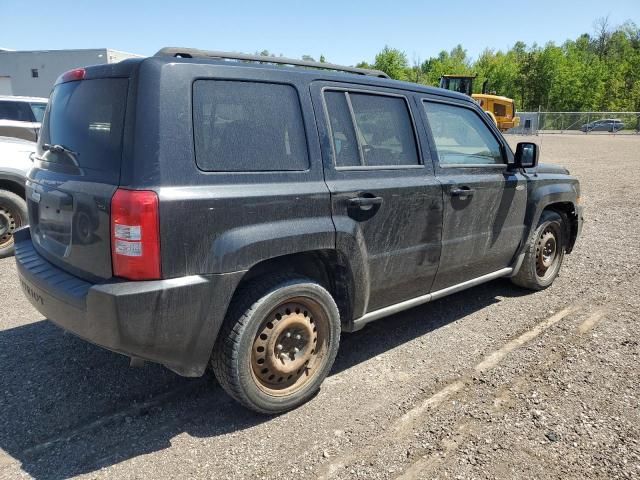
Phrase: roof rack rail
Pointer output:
(195, 53)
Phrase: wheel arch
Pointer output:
(568, 211)
(12, 185)
(329, 267)
(561, 197)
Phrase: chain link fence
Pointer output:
(618, 123)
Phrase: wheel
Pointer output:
(544, 253)
(277, 344)
(13, 215)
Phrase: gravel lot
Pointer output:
(494, 382)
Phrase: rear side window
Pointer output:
(371, 130)
(17, 111)
(248, 126)
(385, 130)
(461, 137)
(87, 118)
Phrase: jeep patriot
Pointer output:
(202, 209)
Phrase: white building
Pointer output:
(33, 73)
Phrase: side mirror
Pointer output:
(527, 154)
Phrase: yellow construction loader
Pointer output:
(502, 110)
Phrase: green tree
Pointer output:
(455, 62)
(598, 71)
(500, 71)
(393, 62)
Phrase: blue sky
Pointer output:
(344, 31)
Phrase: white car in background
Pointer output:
(21, 117)
(15, 162)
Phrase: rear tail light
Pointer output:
(135, 235)
(72, 75)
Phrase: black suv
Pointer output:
(199, 208)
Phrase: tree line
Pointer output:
(595, 72)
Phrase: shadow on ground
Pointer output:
(68, 407)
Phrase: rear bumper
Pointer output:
(173, 322)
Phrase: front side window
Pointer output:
(248, 126)
(461, 137)
(371, 130)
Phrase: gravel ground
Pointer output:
(494, 382)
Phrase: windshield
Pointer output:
(38, 110)
(461, 85)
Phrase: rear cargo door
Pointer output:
(76, 172)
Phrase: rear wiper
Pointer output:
(58, 149)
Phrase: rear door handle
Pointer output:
(364, 201)
(462, 192)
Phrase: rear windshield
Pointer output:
(86, 118)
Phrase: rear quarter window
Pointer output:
(248, 127)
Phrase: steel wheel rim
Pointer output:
(8, 225)
(547, 253)
(276, 366)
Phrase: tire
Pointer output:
(13, 215)
(254, 358)
(544, 253)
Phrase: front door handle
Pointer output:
(462, 192)
(361, 202)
